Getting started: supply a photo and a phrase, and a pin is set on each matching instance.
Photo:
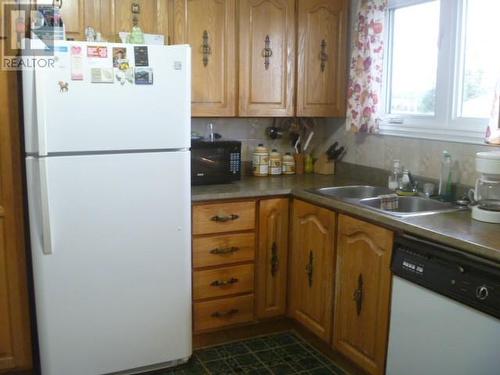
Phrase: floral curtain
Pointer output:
(493, 131)
(366, 67)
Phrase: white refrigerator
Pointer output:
(108, 176)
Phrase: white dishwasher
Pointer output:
(445, 313)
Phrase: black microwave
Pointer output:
(215, 162)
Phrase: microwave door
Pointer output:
(210, 166)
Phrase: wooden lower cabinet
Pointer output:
(15, 333)
(223, 217)
(223, 264)
(312, 261)
(223, 281)
(219, 313)
(272, 257)
(363, 287)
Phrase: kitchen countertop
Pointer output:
(455, 229)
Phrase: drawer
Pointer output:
(223, 281)
(222, 312)
(223, 249)
(223, 217)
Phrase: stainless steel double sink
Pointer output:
(368, 196)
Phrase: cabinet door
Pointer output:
(267, 57)
(312, 267)
(15, 336)
(99, 15)
(209, 26)
(72, 14)
(152, 16)
(272, 257)
(363, 293)
(322, 55)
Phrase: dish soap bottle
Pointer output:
(445, 179)
(395, 176)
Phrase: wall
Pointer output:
(421, 156)
(252, 131)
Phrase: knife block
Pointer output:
(324, 166)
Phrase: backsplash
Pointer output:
(421, 156)
(252, 131)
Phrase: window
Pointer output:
(442, 65)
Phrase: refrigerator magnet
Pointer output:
(119, 54)
(101, 75)
(124, 76)
(123, 64)
(97, 51)
(76, 63)
(141, 56)
(143, 76)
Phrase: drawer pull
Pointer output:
(274, 259)
(323, 56)
(310, 269)
(267, 52)
(358, 295)
(230, 281)
(207, 50)
(225, 314)
(224, 251)
(224, 219)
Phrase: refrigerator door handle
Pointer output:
(41, 116)
(47, 247)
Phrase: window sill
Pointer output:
(433, 133)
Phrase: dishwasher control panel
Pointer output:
(467, 279)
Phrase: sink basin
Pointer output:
(353, 192)
(412, 206)
(368, 196)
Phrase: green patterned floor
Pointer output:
(282, 353)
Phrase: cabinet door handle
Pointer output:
(224, 314)
(309, 269)
(358, 295)
(267, 52)
(207, 50)
(274, 259)
(230, 281)
(323, 56)
(223, 219)
(224, 250)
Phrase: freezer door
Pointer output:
(113, 291)
(67, 115)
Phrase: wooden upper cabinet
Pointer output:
(99, 15)
(152, 17)
(209, 26)
(363, 293)
(272, 257)
(322, 54)
(72, 13)
(312, 268)
(109, 17)
(267, 57)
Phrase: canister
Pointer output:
(288, 164)
(260, 161)
(275, 167)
